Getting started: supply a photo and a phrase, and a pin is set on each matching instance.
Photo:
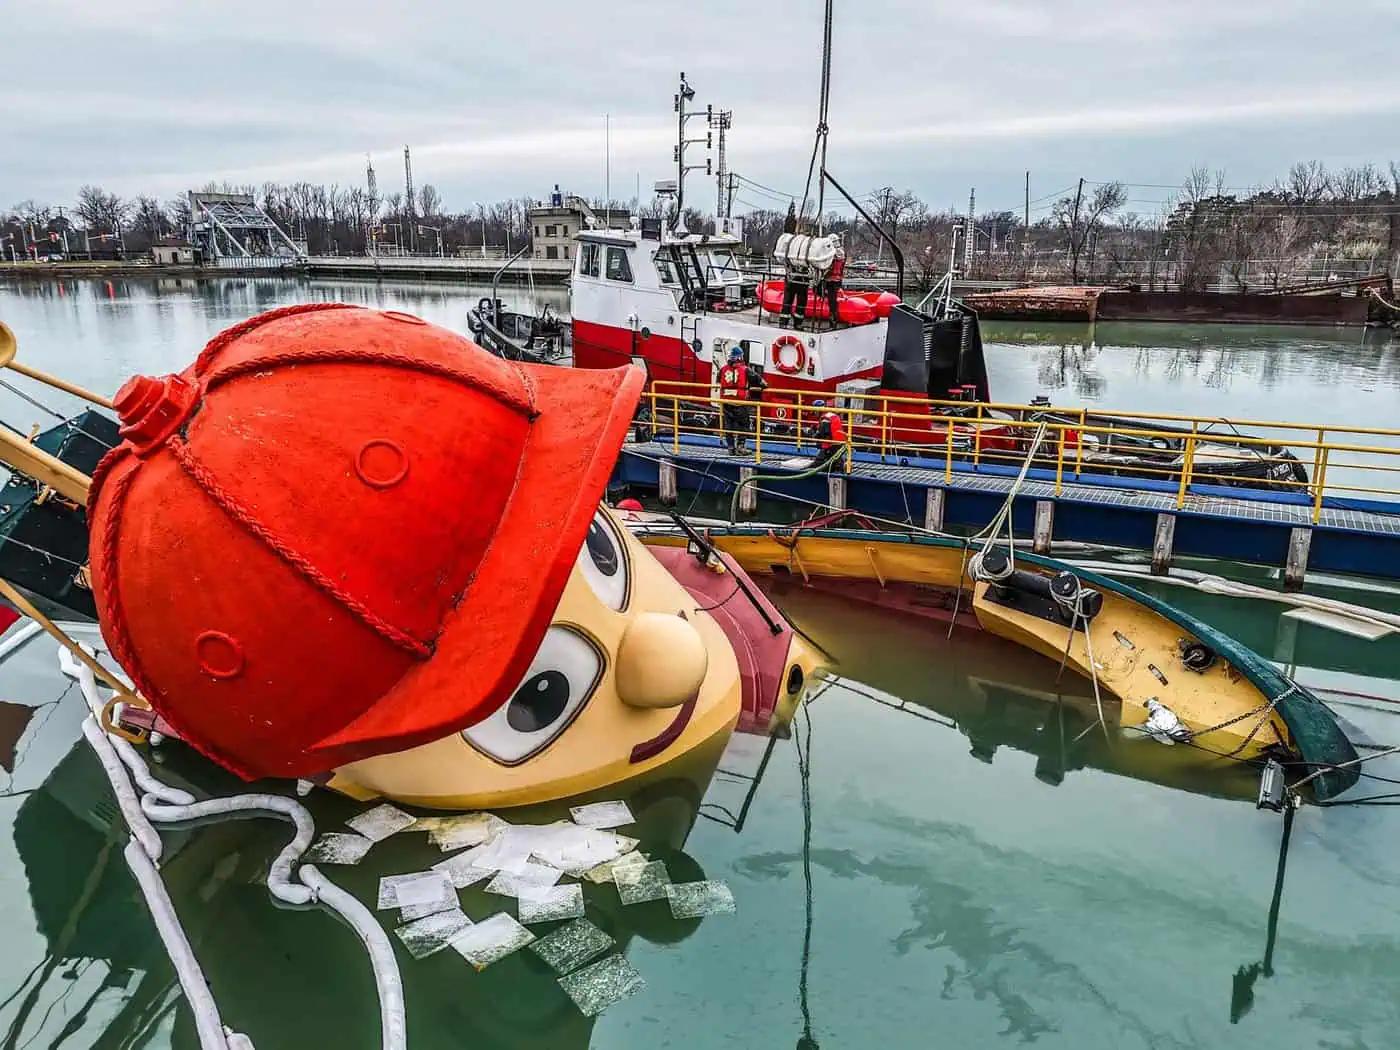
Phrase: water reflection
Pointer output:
(287, 977)
(1242, 371)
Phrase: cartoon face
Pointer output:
(631, 673)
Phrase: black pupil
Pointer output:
(601, 548)
(539, 702)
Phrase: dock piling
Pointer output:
(934, 502)
(666, 481)
(836, 491)
(1044, 526)
(1162, 544)
(1299, 543)
(748, 493)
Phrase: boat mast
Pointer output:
(684, 95)
(819, 145)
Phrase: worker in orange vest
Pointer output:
(737, 383)
(831, 436)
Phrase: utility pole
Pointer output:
(721, 121)
(411, 215)
(1074, 243)
(970, 238)
(373, 206)
(1026, 236)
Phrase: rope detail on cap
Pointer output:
(235, 509)
(228, 335)
(351, 356)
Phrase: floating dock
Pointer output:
(1330, 523)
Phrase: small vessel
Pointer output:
(1164, 675)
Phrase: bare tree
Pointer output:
(101, 211)
(429, 200)
(1080, 219)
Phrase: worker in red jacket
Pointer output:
(832, 284)
(737, 383)
(830, 433)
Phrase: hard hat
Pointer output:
(736, 353)
(343, 532)
(818, 403)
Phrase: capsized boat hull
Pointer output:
(1239, 706)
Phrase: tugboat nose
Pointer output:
(661, 661)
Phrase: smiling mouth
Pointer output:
(668, 736)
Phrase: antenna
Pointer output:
(372, 205)
(722, 120)
(607, 171)
(410, 212)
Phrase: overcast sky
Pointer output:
(505, 99)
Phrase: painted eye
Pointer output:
(603, 561)
(565, 671)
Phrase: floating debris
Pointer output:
(379, 823)
(462, 871)
(694, 900)
(602, 815)
(335, 847)
(431, 934)
(464, 829)
(572, 945)
(555, 902)
(636, 885)
(594, 988)
(416, 889)
(526, 883)
(606, 872)
(491, 940)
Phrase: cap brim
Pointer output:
(487, 642)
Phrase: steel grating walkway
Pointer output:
(1242, 509)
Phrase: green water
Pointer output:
(973, 874)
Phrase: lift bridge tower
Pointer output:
(410, 208)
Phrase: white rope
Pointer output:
(161, 803)
(19, 637)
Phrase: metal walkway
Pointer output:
(1256, 526)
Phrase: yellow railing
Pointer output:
(1181, 450)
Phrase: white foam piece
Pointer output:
(462, 871)
(521, 884)
(693, 900)
(415, 888)
(379, 823)
(552, 903)
(336, 848)
(637, 885)
(491, 940)
(603, 815)
(594, 988)
(431, 934)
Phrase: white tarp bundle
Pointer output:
(814, 253)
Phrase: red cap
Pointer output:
(351, 536)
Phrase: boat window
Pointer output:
(619, 269)
(588, 260)
(665, 268)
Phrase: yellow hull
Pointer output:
(1136, 649)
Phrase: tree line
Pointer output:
(1314, 223)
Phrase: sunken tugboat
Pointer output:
(350, 546)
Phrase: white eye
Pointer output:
(563, 675)
(603, 560)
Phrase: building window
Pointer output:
(551, 252)
(588, 260)
(549, 231)
(537, 231)
(566, 251)
(619, 269)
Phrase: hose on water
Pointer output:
(816, 468)
(157, 801)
